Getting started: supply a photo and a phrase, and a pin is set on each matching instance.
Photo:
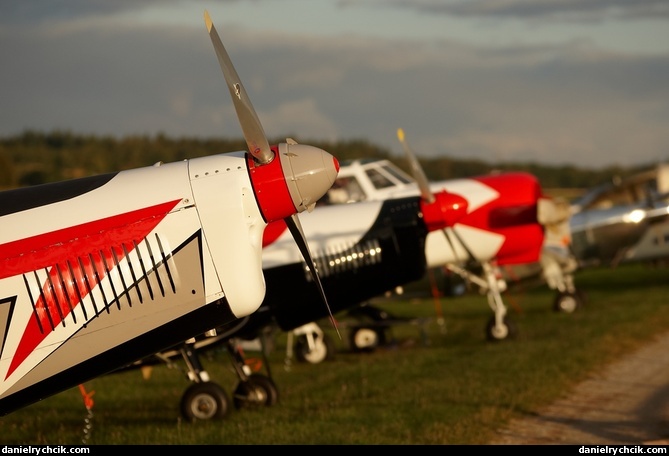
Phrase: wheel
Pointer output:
(365, 339)
(568, 302)
(204, 401)
(506, 330)
(323, 349)
(257, 391)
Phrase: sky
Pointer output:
(555, 82)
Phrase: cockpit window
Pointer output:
(378, 179)
(398, 174)
(618, 197)
(344, 190)
(624, 194)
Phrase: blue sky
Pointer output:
(578, 82)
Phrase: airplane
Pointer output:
(361, 250)
(510, 224)
(98, 272)
(622, 221)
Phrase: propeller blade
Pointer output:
(295, 228)
(451, 245)
(248, 119)
(427, 193)
(284, 187)
(470, 256)
(416, 169)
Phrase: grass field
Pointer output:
(455, 389)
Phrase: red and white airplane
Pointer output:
(98, 272)
(509, 223)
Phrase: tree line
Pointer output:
(33, 158)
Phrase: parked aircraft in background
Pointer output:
(509, 223)
(364, 249)
(98, 272)
(625, 220)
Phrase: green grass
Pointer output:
(457, 389)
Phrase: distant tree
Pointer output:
(33, 178)
(34, 157)
(6, 170)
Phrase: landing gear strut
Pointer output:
(310, 344)
(207, 400)
(500, 326)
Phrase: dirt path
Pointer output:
(626, 403)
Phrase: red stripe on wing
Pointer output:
(62, 252)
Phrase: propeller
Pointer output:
(284, 187)
(253, 131)
(450, 211)
(416, 169)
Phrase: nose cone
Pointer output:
(445, 211)
(309, 172)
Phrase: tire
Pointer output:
(204, 401)
(365, 339)
(323, 349)
(257, 391)
(568, 302)
(507, 330)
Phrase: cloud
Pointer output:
(297, 116)
(548, 100)
(572, 10)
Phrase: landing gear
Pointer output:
(366, 339)
(312, 345)
(321, 350)
(568, 302)
(558, 265)
(253, 389)
(256, 391)
(505, 329)
(499, 327)
(370, 332)
(204, 401)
